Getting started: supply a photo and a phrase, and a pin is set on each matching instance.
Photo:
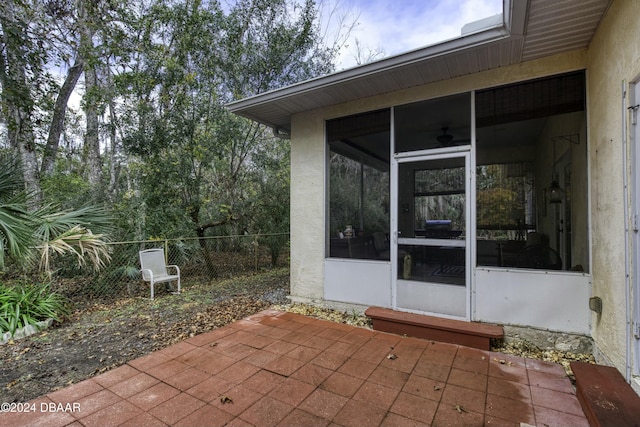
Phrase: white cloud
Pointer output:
(402, 25)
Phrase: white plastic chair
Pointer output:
(154, 268)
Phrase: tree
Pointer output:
(63, 36)
(155, 76)
(270, 44)
(271, 210)
(57, 120)
(21, 71)
(194, 60)
(40, 37)
(92, 94)
(364, 55)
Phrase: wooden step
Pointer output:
(470, 334)
(606, 398)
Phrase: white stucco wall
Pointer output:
(613, 57)
(307, 206)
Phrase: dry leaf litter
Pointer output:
(520, 348)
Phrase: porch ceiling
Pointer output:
(529, 29)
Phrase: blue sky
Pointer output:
(401, 25)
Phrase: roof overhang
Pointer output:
(526, 30)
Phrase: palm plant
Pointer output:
(16, 223)
(26, 235)
(67, 232)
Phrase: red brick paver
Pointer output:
(283, 369)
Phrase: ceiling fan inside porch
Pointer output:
(446, 139)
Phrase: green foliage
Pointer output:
(16, 223)
(503, 190)
(178, 162)
(67, 190)
(49, 230)
(272, 183)
(217, 170)
(271, 44)
(26, 303)
(497, 204)
(26, 49)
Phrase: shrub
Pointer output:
(27, 304)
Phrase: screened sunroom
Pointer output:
(471, 206)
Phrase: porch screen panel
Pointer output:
(531, 142)
(432, 124)
(358, 199)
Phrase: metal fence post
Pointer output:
(255, 250)
(166, 250)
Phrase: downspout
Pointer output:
(627, 278)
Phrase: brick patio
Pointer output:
(284, 369)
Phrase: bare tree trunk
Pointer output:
(114, 164)
(92, 137)
(30, 165)
(59, 112)
(23, 140)
(16, 97)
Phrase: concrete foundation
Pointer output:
(549, 340)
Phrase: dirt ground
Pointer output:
(108, 335)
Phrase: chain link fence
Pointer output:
(201, 261)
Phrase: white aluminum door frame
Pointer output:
(470, 220)
(455, 152)
(635, 196)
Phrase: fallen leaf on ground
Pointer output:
(460, 409)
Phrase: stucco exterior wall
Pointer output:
(307, 206)
(308, 173)
(613, 57)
